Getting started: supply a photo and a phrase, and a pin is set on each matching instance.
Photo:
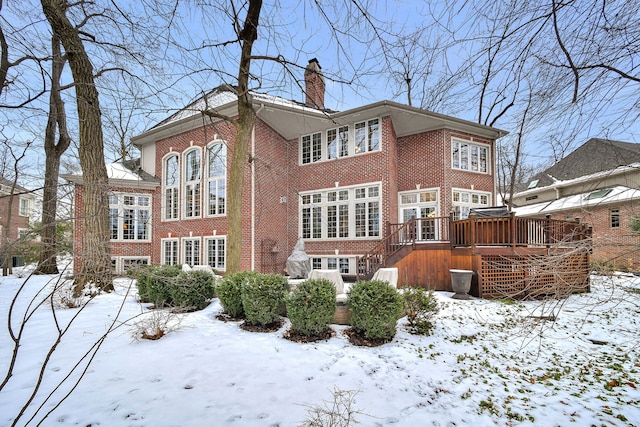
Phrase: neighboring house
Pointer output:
(336, 179)
(14, 226)
(599, 183)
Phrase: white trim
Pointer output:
(469, 167)
(163, 259)
(205, 251)
(184, 182)
(136, 207)
(163, 216)
(207, 178)
(324, 156)
(350, 201)
(119, 266)
(183, 247)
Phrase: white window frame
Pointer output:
(314, 210)
(137, 208)
(192, 187)
(24, 206)
(220, 266)
(119, 262)
(317, 146)
(172, 241)
(462, 156)
(345, 264)
(194, 255)
(465, 202)
(219, 181)
(370, 128)
(171, 202)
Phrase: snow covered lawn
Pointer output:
(488, 363)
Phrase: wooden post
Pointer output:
(513, 230)
(451, 235)
(472, 224)
(547, 231)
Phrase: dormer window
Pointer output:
(598, 194)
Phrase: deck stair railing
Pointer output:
(397, 238)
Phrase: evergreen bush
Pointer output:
(192, 290)
(154, 283)
(229, 292)
(375, 309)
(263, 297)
(420, 307)
(311, 306)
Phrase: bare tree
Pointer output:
(54, 151)
(96, 259)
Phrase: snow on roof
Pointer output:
(617, 194)
(224, 95)
(591, 177)
(119, 171)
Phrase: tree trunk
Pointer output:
(95, 255)
(244, 127)
(57, 119)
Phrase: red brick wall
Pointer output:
(17, 221)
(425, 160)
(620, 246)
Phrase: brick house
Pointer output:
(15, 226)
(336, 179)
(599, 183)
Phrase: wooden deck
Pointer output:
(512, 257)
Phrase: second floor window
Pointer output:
(216, 179)
(171, 187)
(192, 184)
(469, 156)
(25, 207)
(130, 217)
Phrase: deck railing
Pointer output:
(474, 231)
(516, 231)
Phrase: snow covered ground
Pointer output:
(488, 363)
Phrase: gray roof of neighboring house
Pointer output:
(6, 184)
(595, 155)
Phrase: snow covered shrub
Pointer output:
(375, 309)
(192, 290)
(154, 283)
(155, 325)
(420, 307)
(311, 306)
(263, 297)
(230, 292)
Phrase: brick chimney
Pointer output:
(314, 85)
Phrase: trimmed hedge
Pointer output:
(230, 292)
(154, 282)
(375, 309)
(311, 306)
(263, 298)
(192, 290)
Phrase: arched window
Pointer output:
(192, 168)
(216, 178)
(171, 186)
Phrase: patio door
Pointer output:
(423, 206)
